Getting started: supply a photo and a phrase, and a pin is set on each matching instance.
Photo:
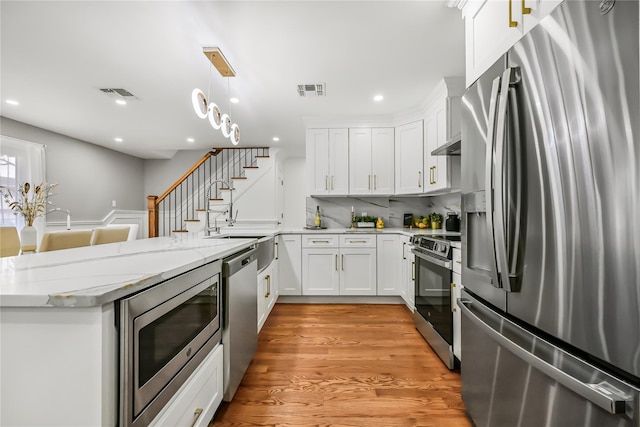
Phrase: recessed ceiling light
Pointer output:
(118, 139)
(378, 98)
(276, 139)
(190, 140)
(121, 102)
(234, 100)
(12, 102)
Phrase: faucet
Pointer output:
(230, 220)
(68, 215)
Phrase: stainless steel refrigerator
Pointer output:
(551, 225)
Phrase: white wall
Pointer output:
(295, 192)
(90, 177)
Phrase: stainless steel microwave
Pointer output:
(164, 334)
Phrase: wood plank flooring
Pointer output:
(344, 365)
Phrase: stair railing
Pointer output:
(182, 201)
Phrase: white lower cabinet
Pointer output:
(339, 264)
(198, 398)
(267, 292)
(389, 268)
(407, 291)
(289, 254)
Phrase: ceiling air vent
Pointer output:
(311, 90)
(119, 93)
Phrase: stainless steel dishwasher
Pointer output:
(240, 317)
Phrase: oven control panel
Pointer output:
(432, 245)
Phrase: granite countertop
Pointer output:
(96, 275)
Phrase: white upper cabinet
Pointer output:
(493, 26)
(328, 161)
(442, 124)
(371, 161)
(409, 162)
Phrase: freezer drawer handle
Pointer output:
(606, 398)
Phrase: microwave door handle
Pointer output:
(489, 168)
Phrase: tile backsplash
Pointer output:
(336, 211)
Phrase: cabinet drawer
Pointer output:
(456, 258)
(197, 400)
(320, 241)
(358, 241)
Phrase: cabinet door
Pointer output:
(409, 158)
(289, 253)
(382, 160)
(389, 268)
(360, 176)
(436, 135)
(320, 274)
(357, 271)
(264, 279)
(318, 161)
(338, 182)
(456, 288)
(489, 33)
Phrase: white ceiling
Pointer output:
(55, 56)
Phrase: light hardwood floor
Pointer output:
(344, 365)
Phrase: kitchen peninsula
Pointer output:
(59, 355)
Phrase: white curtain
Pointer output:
(20, 162)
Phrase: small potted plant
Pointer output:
(436, 220)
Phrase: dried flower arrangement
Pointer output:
(29, 205)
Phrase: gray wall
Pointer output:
(159, 175)
(90, 177)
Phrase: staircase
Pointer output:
(183, 207)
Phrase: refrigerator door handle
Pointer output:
(607, 398)
(501, 184)
(489, 174)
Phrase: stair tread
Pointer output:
(262, 157)
(251, 167)
(191, 220)
(239, 177)
(213, 200)
(179, 231)
(226, 188)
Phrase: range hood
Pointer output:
(451, 148)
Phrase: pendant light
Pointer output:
(206, 109)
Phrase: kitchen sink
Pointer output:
(265, 247)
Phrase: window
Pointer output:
(20, 162)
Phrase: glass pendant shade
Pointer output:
(235, 134)
(226, 125)
(215, 116)
(199, 103)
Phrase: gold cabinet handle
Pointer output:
(413, 270)
(512, 23)
(369, 180)
(268, 285)
(357, 241)
(320, 241)
(458, 261)
(525, 10)
(342, 262)
(332, 182)
(404, 246)
(326, 182)
(196, 414)
(336, 262)
(419, 179)
(277, 251)
(375, 184)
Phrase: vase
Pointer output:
(28, 239)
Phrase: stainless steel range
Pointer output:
(433, 316)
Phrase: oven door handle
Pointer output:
(436, 261)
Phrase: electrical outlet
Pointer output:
(113, 203)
